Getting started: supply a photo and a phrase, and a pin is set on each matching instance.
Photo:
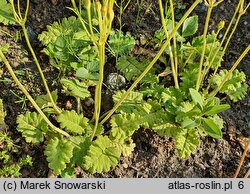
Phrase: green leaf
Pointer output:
(123, 125)
(89, 72)
(216, 119)
(190, 26)
(68, 43)
(234, 86)
(32, 126)
(217, 109)
(189, 123)
(160, 36)
(102, 155)
(68, 172)
(130, 103)
(67, 27)
(81, 146)
(120, 44)
(155, 117)
(87, 55)
(130, 67)
(43, 101)
(126, 145)
(213, 52)
(189, 77)
(75, 88)
(196, 97)
(98, 131)
(164, 129)
(59, 153)
(211, 128)
(72, 122)
(186, 140)
(6, 14)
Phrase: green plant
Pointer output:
(6, 16)
(185, 111)
(10, 167)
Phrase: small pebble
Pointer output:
(115, 80)
(125, 165)
(220, 36)
(89, 101)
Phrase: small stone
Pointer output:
(245, 23)
(143, 40)
(68, 105)
(125, 165)
(220, 36)
(116, 80)
(89, 101)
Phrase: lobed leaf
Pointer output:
(234, 86)
(89, 71)
(72, 122)
(130, 67)
(32, 126)
(188, 77)
(164, 129)
(132, 101)
(81, 146)
(186, 140)
(59, 153)
(67, 27)
(123, 125)
(6, 14)
(75, 88)
(119, 43)
(68, 45)
(43, 101)
(101, 156)
(126, 145)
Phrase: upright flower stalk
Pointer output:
(210, 5)
(21, 21)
